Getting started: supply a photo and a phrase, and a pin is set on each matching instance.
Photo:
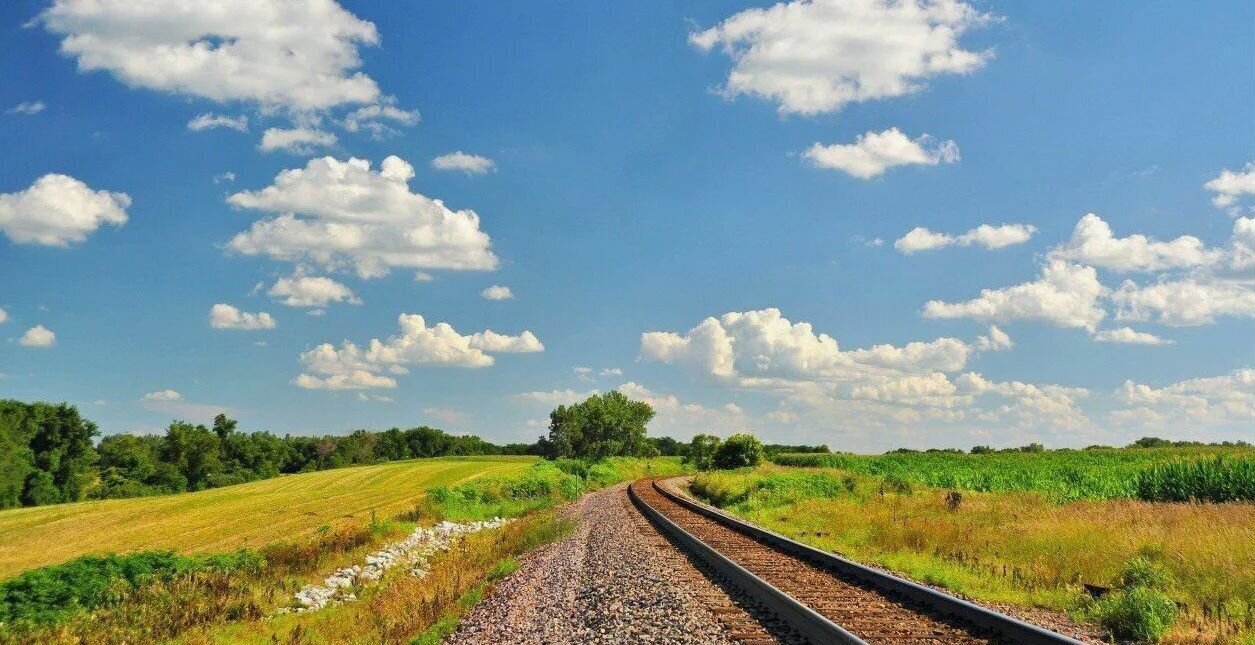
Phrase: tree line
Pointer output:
(49, 454)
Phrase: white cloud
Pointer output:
(680, 420)
(814, 57)
(996, 341)
(352, 367)
(554, 398)
(27, 107)
(990, 237)
(1208, 401)
(342, 214)
(423, 276)
(301, 56)
(1130, 336)
(605, 371)
(298, 140)
(375, 398)
(490, 341)
(311, 291)
(1230, 186)
(465, 162)
(375, 118)
(224, 316)
(38, 336)
(59, 210)
(227, 176)
(1093, 243)
(875, 152)
(1186, 302)
(1066, 295)
(172, 403)
(209, 120)
(755, 347)
(497, 292)
(1054, 405)
(4, 316)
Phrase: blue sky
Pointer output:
(633, 171)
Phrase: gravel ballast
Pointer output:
(613, 580)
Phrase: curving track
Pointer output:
(820, 595)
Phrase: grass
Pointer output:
(1021, 548)
(235, 517)
(1061, 475)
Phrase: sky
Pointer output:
(855, 222)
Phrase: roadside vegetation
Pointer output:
(1180, 572)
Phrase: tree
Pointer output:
(739, 451)
(194, 451)
(701, 451)
(603, 425)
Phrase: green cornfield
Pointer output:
(1213, 480)
(1152, 474)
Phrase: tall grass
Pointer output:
(1060, 475)
(1217, 480)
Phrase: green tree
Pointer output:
(701, 451)
(195, 451)
(739, 451)
(603, 425)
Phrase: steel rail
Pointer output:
(1009, 628)
(799, 617)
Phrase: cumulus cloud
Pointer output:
(1187, 302)
(875, 152)
(745, 347)
(440, 345)
(465, 162)
(447, 415)
(678, 419)
(1226, 400)
(300, 56)
(311, 291)
(881, 387)
(379, 119)
(1232, 185)
(1129, 336)
(342, 214)
(38, 336)
(163, 395)
(4, 316)
(985, 235)
(1093, 243)
(209, 121)
(59, 210)
(996, 341)
(27, 108)
(298, 140)
(171, 402)
(817, 56)
(1066, 295)
(497, 292)
(224, 316)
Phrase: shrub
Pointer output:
(1139, 614)
(738, 451)
(49, 595)
(1145, 572)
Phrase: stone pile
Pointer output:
(414, 552)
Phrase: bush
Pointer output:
(738, 451)
(701, 451)
(1144, 572)
(49, 595)
(1139, 614)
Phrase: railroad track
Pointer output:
(821, 596)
